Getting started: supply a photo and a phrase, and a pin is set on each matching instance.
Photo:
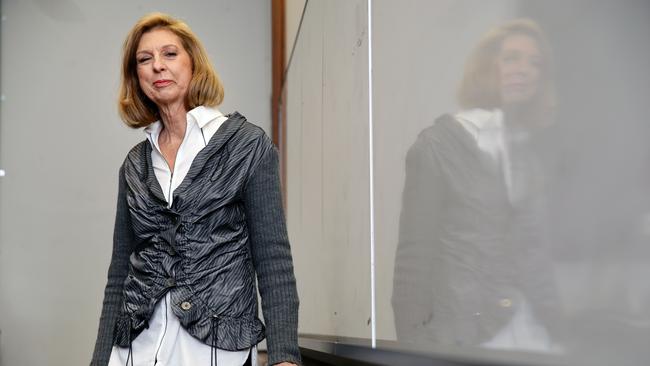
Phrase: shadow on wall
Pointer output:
(61, 10)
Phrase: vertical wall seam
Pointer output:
(373, 317)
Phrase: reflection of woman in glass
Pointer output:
(471, 267)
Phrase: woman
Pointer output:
(471, 264)
(199, 215)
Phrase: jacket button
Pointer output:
(506, 303)
(171, 250)
(170, 282)
(186, 305)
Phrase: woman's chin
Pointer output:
(163, 101)
(517, 100)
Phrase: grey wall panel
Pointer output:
(327, 169)
(62, 143)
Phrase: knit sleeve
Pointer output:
(117, 271)
(272, 257)
(422, 204)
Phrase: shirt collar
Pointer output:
(482, 119)
(200, 115)
(152, 131)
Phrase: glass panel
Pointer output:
(327, 169)
(512, 170)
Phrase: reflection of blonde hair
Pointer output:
(205, 88)
(480, 87)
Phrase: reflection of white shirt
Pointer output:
(523, 331)
(166, 340)
(487, 128)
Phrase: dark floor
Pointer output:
(262, 360)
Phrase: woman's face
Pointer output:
(164, 67)
(519, 65)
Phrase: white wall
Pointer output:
(327, 169)
(62, 143)
(293, 12)
(327, 124)
(415, 67)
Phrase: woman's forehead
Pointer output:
(520, 41)
(158, 38)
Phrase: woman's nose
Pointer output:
(158, 64)
(520, 68)
(528, 67)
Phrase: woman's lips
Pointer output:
(516, 86)
(161, 83)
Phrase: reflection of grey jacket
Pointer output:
(225, 226)
(465, 252)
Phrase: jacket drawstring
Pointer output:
(130, 355)
(214, 330)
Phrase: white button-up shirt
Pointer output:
(487, 129)
(166, 342)
(523, 331)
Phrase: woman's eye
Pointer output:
(170, 54)
(536, 63)
(510, 58)
(143, 60)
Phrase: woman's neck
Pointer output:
(174, 120)
(517, 116)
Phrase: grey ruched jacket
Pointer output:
(225, 227)
(468, 256)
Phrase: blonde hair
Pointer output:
(135, 108)
(480, 87)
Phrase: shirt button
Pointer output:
(170, 282)
(186, 305)
(506, 303)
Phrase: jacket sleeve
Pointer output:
(422, 203)
(272, 256)
(117, 272)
